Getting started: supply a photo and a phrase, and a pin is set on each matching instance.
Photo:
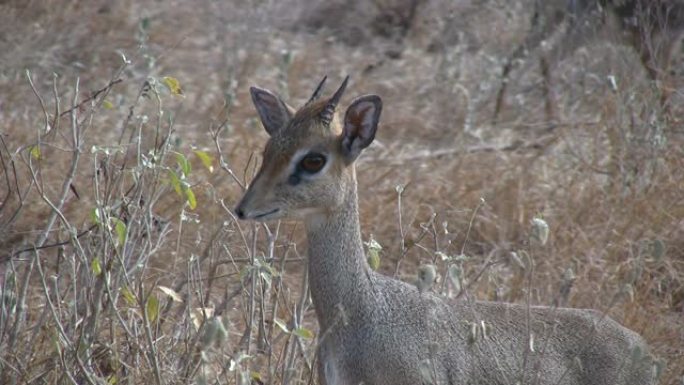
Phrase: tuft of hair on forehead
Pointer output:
(308, 119)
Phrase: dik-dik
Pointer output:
(376, 330)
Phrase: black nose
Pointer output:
(240, 214)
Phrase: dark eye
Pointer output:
(312, 163)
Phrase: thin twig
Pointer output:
(93, 96)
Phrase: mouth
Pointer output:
(266, 214)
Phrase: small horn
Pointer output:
(329, 110)
(317, 92)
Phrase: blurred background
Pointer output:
(127, 134)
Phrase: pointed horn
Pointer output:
(329, 110)
(317, 92)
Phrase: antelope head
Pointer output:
(308, 162)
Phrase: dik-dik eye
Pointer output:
(312, 162)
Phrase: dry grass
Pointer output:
(607, 178)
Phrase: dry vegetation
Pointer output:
(121, 262)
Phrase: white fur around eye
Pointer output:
(297, 158)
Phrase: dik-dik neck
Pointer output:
(339, 275)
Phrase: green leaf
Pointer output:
(184, 164)
(281, 324)
(175, 182)
(128, 295)
(95, 216)
(304, 333)
(192, 201)
(374, 259)
(173, 85)
(120, 229)
(373, 244)
(35, 152)
(206, 159)
(107, 104)
(95, 266)
(374, 249)
(152, 308)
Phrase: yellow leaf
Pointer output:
(256, 376)
(152, 308)
(206, 159)
(107, 104)
(173, 85)
(171, 293)
(35, 152)
(120, 229)
(128, 296)
(373, 259)
(304, 333)
(95, 266)
(192, 201)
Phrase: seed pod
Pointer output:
(540, 231)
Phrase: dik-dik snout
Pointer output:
(306, 168)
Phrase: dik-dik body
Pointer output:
(376, 330)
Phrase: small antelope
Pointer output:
(376, 330)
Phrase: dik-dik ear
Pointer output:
(360, 124)
(274, 113)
